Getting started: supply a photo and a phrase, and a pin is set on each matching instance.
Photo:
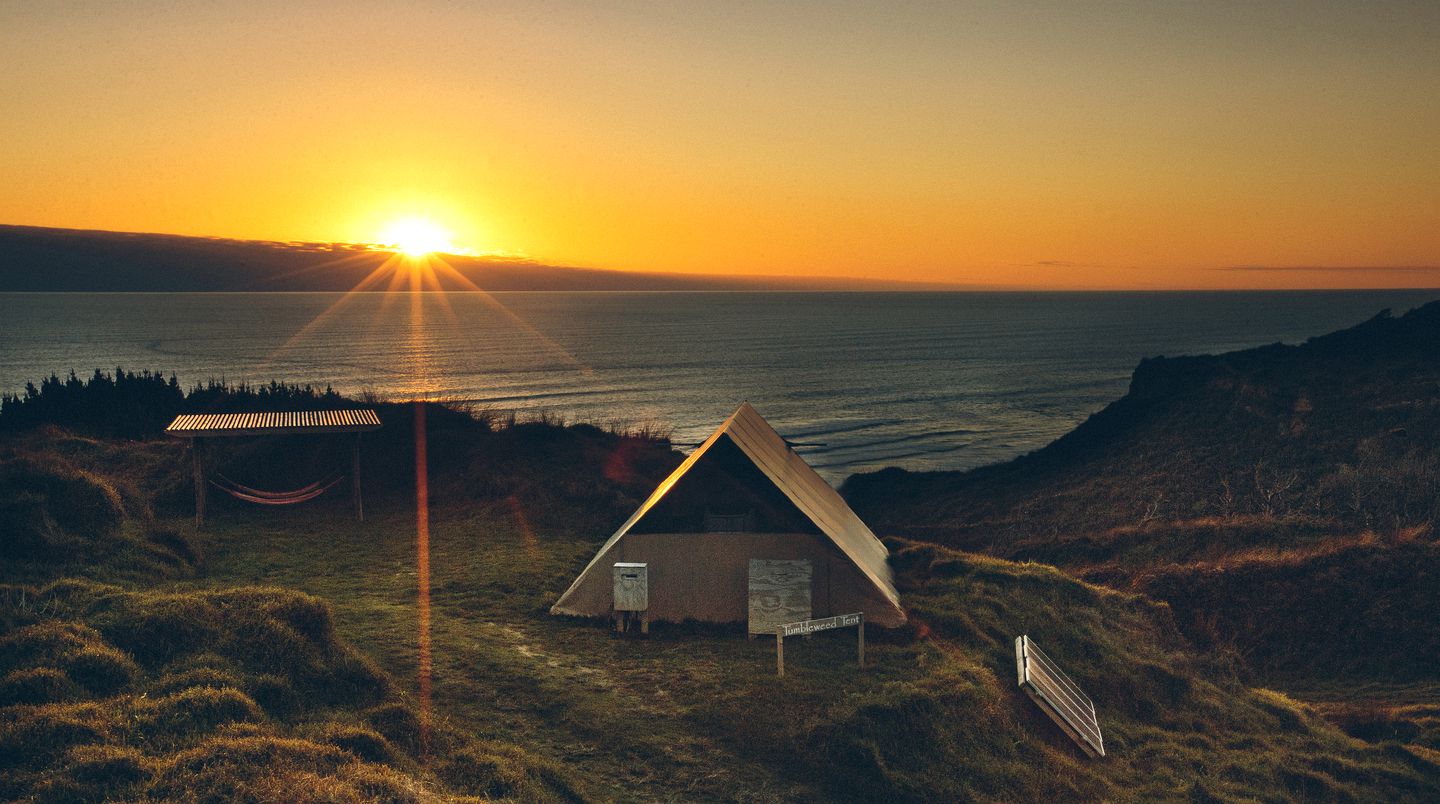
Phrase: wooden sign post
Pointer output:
(807, 627)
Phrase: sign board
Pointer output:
(807, 627)
(632, 588)
(1058, 696)
(779, 593)
(823, 624)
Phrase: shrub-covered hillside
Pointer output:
(1283, 500)
(1339, 434)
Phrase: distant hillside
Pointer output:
(1340, 433)
(42, 259)
(1282, 499)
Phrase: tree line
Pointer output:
(139, 404)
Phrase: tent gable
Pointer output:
(724, 491)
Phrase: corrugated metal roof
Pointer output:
(273, 423)
(815, 498)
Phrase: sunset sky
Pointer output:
(1049, 145)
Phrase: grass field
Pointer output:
(527, 705)
(698, 713)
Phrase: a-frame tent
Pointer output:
(742, 494)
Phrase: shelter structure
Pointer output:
(742, 500)
(200, 428)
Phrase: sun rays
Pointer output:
(412, 270)
(428, 282)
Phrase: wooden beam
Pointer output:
(780, 654)
(861, 631)
(197, 465)
(355, 480)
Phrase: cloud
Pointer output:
(1334, 269)
(1066, 264)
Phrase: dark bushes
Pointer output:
(140, 404)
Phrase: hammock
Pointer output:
(302, 494)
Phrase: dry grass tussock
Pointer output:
(242, 694)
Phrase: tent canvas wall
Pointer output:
(741, 494)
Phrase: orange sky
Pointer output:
(1049, 145)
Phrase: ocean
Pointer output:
(858, 381)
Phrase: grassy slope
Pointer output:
(546, 706)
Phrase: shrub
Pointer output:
(198, 710)
(399, 724)
(45, 642)
(364, 743)
(155, 628)
(276, 696)
(212, 677)
(37, 685)
(37, 735)
(47, 500)
(101, 772)
(100, 669)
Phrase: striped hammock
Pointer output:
(300, 495)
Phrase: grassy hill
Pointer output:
(1282, 445)
(276, 653)
(1281, 500)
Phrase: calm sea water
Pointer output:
(859, 381)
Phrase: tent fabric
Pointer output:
(816, 499)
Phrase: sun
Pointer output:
(417, 237)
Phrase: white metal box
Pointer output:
(632, 587)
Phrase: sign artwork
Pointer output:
(779, 593)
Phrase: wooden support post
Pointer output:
(861, 630)
(197, 463)
(780, 654)
(645, 622)
(355, 479)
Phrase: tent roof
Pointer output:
(815, 498)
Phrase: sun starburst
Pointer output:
(417, 237)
